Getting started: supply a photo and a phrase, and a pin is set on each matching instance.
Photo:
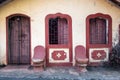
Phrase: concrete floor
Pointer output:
(59, 73)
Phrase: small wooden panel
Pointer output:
(59, 55)
(98, 54)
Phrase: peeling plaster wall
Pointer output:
(38, 9)
(116, 33)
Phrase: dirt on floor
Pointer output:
(59, 73)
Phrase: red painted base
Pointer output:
(59, 64)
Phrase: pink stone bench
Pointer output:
(80, 57)
(39, 56)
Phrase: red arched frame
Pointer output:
(109, 34)
(69, 45)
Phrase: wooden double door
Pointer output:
(18, 40)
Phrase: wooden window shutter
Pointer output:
(62, 31)
(97, 31)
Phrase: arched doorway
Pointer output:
(18, 39)
(98, 37)
(58, 39)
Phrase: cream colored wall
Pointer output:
(38, 9)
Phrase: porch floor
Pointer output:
(59, 73)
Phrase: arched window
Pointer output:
(98, 30)
(58, 39)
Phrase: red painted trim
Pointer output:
(69, 45)
(7, 19)
(60, 64)
(88, 45)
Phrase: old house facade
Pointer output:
(59, 26)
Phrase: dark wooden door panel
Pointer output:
(19, 43)
(14, 48)
(25, 47)
(25, 58)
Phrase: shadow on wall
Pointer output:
(114, 56)
(1, 61)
